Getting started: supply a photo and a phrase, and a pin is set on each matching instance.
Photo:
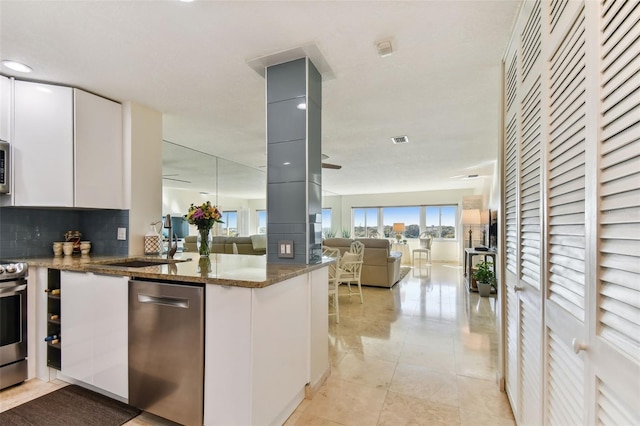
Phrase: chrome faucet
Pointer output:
(171, 249)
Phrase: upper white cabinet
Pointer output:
(68, 149)
(99, 166)
(43, 145)
(5, 107)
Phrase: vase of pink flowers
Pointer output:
(204, 216)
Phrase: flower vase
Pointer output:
(204, 242)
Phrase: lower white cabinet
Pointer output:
(94, 337)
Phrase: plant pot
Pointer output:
(484, 289)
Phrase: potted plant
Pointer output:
(485, 278)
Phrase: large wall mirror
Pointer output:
(190, 176)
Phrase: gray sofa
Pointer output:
(225, 245)
(245, 245)
(380, 267)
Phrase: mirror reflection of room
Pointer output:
(194, 177)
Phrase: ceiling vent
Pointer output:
(400, 139)
(384, 48)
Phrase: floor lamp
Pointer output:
(471, 217)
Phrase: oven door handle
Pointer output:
(12, 289)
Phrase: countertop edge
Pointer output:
(276, 272)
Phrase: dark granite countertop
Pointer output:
(221, 269)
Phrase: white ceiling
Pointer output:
(441, 86)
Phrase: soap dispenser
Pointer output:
(152, 240)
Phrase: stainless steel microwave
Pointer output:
(5, 170)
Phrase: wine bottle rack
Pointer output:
(54, 353)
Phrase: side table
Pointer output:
(469, 254)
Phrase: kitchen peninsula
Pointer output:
(265, 333)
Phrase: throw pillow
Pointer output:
(259, 241)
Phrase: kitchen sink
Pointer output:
(141, 263)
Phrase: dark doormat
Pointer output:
(70, 406)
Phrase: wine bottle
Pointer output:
(52, 291)
(54, 317)
(52, 337)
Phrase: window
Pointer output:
(441, 222)
(262, 221)
(437, 221)
(230, 225)
(365, 220)
(409, 216)
(326, 222)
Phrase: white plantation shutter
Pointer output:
(530, 41)
(555, 12)
(567, 171)
(513, 334)
(612, 410)
(530, 189)
(531, 363)
(511, 226)
(573, 131)
(565, 383)
(619, 271)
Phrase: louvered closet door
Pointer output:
(565, 230)
(614, 341)
(523, 199)
(530, 197)
(512, 324)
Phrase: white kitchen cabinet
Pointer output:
(99, 155)
(276, 331)
(5, 107)
(43, 145)
(68, 149)
(94, 336)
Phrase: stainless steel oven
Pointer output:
(13, 323)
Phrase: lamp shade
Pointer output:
(471, 217)
(484, 217)
(398, 227)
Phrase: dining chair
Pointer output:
(351, 268)
(334, 279)
(425, 247)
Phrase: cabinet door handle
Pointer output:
(578, 346)
(164, 301)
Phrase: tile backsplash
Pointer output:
(29, 232)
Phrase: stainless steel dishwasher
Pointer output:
(166, 350)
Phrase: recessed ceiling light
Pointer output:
(286, 163)
(186, 1)
(301, 105)
(16, 66)
(400, 139)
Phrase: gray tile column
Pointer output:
(294, 174)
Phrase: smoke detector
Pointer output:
(400, 139)
(384, 48)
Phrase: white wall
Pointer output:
(142, 128)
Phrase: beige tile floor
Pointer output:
(422, 353)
